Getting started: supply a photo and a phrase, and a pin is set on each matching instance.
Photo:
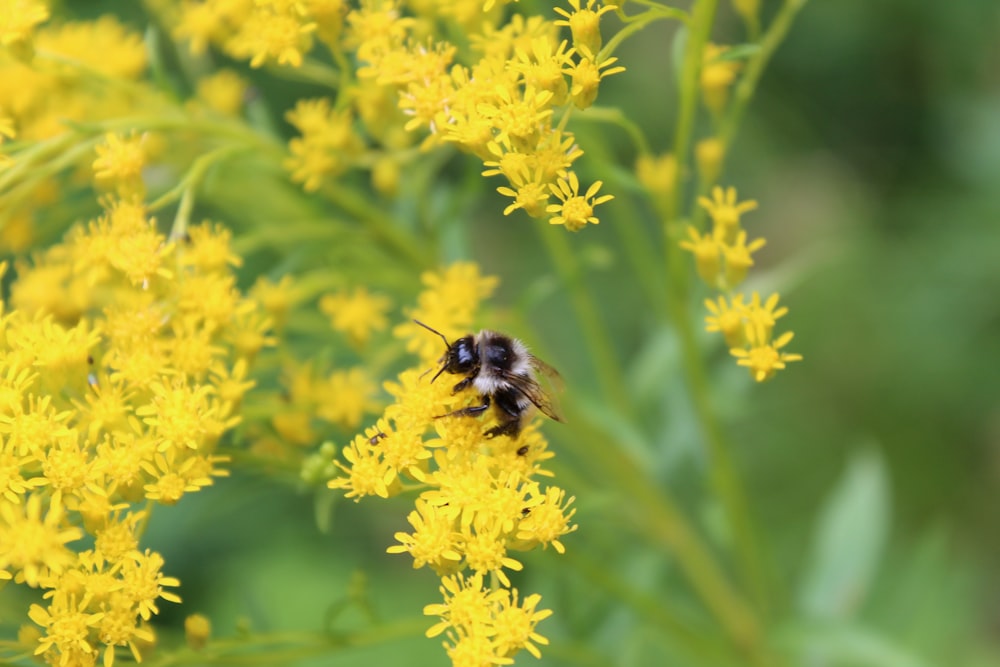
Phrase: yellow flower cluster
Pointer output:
(123, 360)
(58, 84)
(82, 72)
(480, 498)
(723, 256)
(504, 96)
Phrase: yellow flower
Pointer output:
(575, 211)
(197, 630)
(143, 582)
(585, 23)
(725, 212)
(547, 520)
(449, 300)
(467, 606)
(328, 145)
(717, 75)
(33, 546)
(764, 356)
(434, 541)
(764, 315)
(357, 314)
(67, 623)
(515, 623)
(708, 156)
(346, 396)
(273, 30)
(367, 472)
(657, 173)
(207, 248)
(18, 19)
(727, 318)
(542, 66)
(223, 92)
(738, 258)
(120, 627)
(119, 163)
(707, 255)
(104, 45)
(518, 116)
(587, 74)
(529, 193)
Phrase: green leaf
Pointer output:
(849, 540)
(738, 52)
(677, 53)
(838, 644)
(324, 502)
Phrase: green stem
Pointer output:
(747, 86)
(722, 472)
(636, 23)
(615, 116)
(697, 644)
(595, 335)
(382, 226)
(655, 514)
(702, 16)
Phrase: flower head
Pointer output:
(576, 210)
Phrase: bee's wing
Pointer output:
(534, 392)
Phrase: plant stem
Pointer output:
(655, 514)
(722, 473)
(595, 334)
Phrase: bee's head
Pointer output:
(459, 358)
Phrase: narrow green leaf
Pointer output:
(836, 644)
(324, 502)
(849, 540)
(738, 52)
(677, 53)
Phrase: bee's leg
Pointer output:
(471, 411)
(511, 428)
(510, 410)
(462, 385)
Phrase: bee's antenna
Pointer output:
(446, 343)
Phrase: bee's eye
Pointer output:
(462, 356)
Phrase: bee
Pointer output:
(503, 372)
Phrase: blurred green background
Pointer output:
(873, 147)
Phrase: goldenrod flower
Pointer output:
(542, 67)
(357, 313)
(273, 30)
(328, 144)
(708, 156)
(515, 624)
(434, 541)
(727, 318)
(346, 397)
(143, 582)
(223, 92)
(18, 19)
(585, 23)
(726, 212)
(764, 356)
(197, 630)
(68, 624)
(587, 74)
(33, 541)
(575, 211)
(707, 255)
(119, 163)
(717, 75)
(738, 258)
(479, 500)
